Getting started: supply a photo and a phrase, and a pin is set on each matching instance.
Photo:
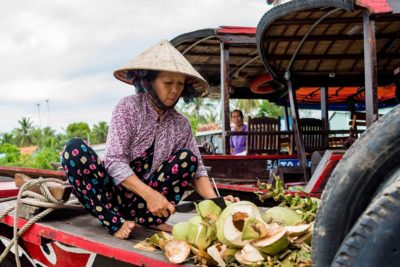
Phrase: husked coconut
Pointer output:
(232, 220)
(177, 251)
(180, 231)
(282, 215)
(274, 243)
(248, 255)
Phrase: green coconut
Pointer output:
(208, 210)
(200, 233)
(282, 215)
(232, 220)
(180, 231)
(254, 229)
(273, 244)
(227, 202)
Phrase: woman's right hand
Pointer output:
(159, 206)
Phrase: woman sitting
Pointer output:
(151, 154)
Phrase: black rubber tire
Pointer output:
(353, 183)
(374, 239)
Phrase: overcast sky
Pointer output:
(66, 51)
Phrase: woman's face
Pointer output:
(237, 119)
(168, 87)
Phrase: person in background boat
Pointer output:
(238, 142)
(151, 155)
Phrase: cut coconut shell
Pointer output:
(177, 251)
(248, 255)
(273, 244)
(215, 252)
(208, 210)
(160, 239)
(298, 230)
(200, 233)
(254, 229)
(231, 222)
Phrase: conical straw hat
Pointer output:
(164, 57)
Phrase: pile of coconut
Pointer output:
(238, 235)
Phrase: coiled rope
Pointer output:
(43, 200)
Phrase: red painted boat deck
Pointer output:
(85, 232)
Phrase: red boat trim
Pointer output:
(375, 6)
(253, 189)
(328, 168)
(236, 30)
(37, 231)
(249, 157)
(8, 189)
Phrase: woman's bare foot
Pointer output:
(164, 227)
(125, 230)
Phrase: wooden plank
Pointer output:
(59, 192)
(34, 173)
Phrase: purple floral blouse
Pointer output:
(133, 129)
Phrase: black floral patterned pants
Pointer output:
(113, 204)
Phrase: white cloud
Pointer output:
(66, 51)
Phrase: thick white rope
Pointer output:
(43, 200)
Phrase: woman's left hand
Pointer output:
(231, 198)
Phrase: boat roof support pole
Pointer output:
(324, 115)
(287, 117)
(293, 102)
(225, 84)
(370, 65)
(301, 154)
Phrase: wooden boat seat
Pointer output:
(357, 120)
(264, 136)
(313, 135)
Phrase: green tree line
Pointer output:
(50, 143)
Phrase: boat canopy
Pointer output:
(320, 43)
(203, 50)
